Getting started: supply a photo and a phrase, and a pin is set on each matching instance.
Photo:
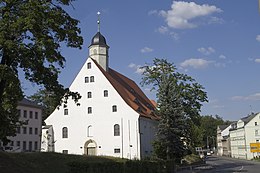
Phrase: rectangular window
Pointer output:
(31, 114)
(24, 145)
(30, 145)
(36, 115)
(65, 151)
(11, 143)
(255, 123)
(114, 108)
(25, 113)
(24, 130)
(36, 131)
(66, 112)
(89, 65)
(89, 110)
(18, 143)
(105, 93)
(92, 79)
(117, 150)
(30, 130)
(89, 95)
(86, 79)
(18, 130)
(35, 145)
(256, 132)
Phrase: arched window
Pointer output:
(105, 93)
(92, 79)
(64, 132)
(116, 130)
(89, 110)
(90, 131)
(89, 65)
(114, 108)
(86, 79)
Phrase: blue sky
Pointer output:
(217, 42)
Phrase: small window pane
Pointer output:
(65, 151)
(36, 115)
(86, 79)
(24, 130)
(114, 108)
(92, 79)
(35, 145)
(117, 150)
(89, 110)
(18, 130)
(30, 130)
(18, 143)
(66, 112)
(24, 145)
(89, 65)
(31, 114)
(105, 93)
(25, 113)
(89, 95)
(64, 132)
(116, 130)
(36, 131)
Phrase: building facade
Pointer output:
(223, 140)
(113, 117)
(28, 137)
(244, 133)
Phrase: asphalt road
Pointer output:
(226, 165)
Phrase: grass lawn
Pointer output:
(44, 162)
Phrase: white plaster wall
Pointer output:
(102, 118)
(33, 123)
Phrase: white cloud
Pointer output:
(163, 29)
(206, 51)
(182, 13)
(258, 38)
(146, 50)
(137, 68)
(222, 57)
(152, 12)
(215, 20)
(257, 60)
(252, 97)
(195, 63)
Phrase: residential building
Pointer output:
(28, 136)
(113, 117)
(244, 132)
(223, 140)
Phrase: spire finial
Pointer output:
(98, 21)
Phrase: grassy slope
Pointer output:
(43, 162)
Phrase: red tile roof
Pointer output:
(130, 92)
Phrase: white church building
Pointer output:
(113, 117)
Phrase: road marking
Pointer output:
(242, 167)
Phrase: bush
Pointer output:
(130, 166)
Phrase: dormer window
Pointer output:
(89, 65)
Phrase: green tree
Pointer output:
(31, 32)
(180, 99)
(209, 126)
(47, 100)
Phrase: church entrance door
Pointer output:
(90, 148)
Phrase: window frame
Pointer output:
(89, 65)
(89, 110)
(89, 94)
(114, 108)
(65, 132)
(105, 93)
(116, 130)
(92, 79)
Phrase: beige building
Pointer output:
(28, 137)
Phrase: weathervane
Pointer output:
(98, 21)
